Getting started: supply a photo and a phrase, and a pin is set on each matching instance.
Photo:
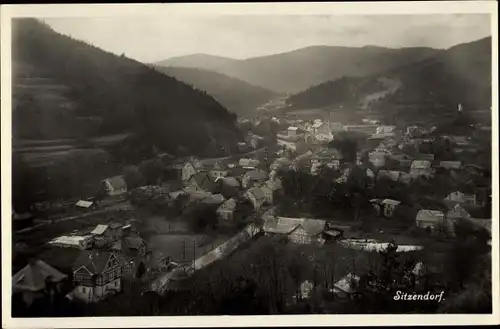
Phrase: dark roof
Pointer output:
(34, 276)
(95, 261)
(204, 181)
(115, 225)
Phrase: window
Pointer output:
(116, 283)
(84, 290)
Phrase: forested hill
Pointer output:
(461, 74)
(237, 96)
(296, 70)
(69, 88)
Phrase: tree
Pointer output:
(203, 216)
(152, 171)
(347, 143)
(133, 177)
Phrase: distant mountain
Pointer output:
(203, 61)
(436, 85)
(294, 71)
(237, 96)
(63, 87)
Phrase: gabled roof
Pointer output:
(391, 202)
(93, 260)
(257, 193)
(130, 242)
(203, 180)
(84, 204)
(34, 276)
(430, 213)
(286, 225)
(228, 205)
(257, 174)
(117, 182)
(230, 181)
(421, 164)
(100, 229)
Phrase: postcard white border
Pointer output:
(135, 10)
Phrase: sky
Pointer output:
(150, 39)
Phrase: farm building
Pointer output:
(79, 242)
(298, 230)
(85, 204)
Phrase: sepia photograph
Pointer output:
(179, 160)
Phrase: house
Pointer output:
(275, 188)
(389, 206)
(377, 158)
(321, 129)
(35, 280)
(429, 218)
(420, 168)
(248, 163)
(329, 157)
(96, 275)
(256, 196)
(456, 212)
(228, 186)
(385, 206)
(132, 253)
(450, 164)
(462, 198)
(226, 210)
(102, 235)
(188, 170)
(85, 204)
(395, 176)
(201, 181)
(292, 131)
(216, 199)
(345, 287)
(115, 185)
(298, 230)
(79, 242)
(253, 178)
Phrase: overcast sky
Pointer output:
(152, 39)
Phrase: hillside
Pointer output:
(237, 96)
(65, 88)
(461, 74)
(294, 71)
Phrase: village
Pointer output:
(202, 210)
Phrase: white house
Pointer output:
(115, 185)
(429, 218)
